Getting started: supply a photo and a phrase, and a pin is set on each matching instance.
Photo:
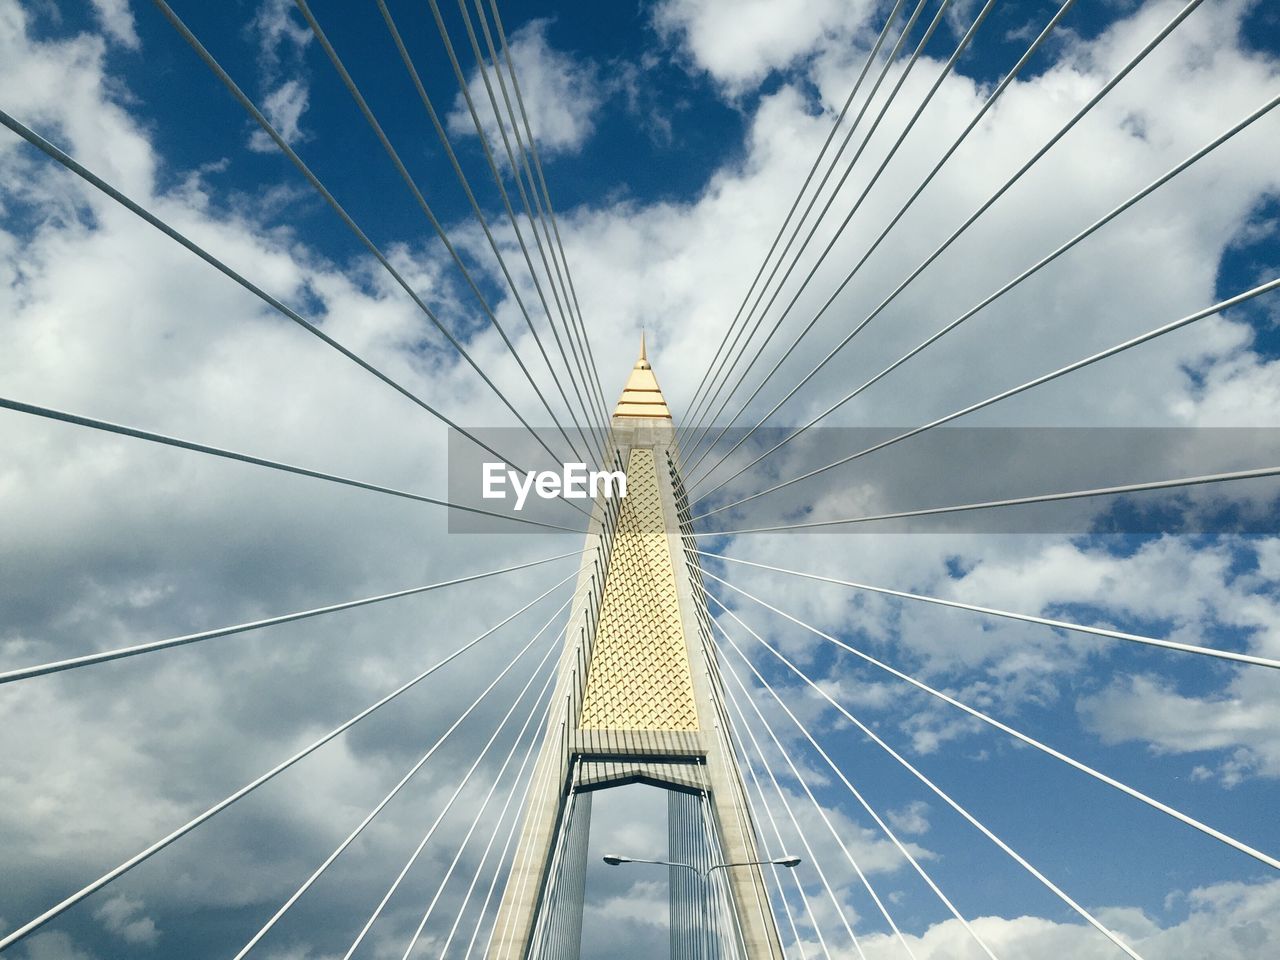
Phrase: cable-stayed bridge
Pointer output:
(655, 658)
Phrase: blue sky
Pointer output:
(662, 129)
(675, 134)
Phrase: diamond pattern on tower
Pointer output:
(639, 677)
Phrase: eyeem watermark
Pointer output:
(573, 482)
(508, 480)
(964, 480)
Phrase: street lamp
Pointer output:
(614, 860)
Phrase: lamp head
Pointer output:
(787, 861)
(612, 859)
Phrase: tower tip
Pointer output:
(642, 397)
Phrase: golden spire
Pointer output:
(642, 397)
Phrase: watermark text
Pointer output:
(573, 482)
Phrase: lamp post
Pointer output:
(616, 860)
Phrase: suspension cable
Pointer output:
(585, 340)
(381, 135)
(516, 781)
(736, 739)
(1093, 358)
(381, 805)
(990, 201)
(546, 923)
(731, 698)
(1030, 741)
(443, 136)
(108, 427)
(542, 778)
(1016, 501)
(56, 666)
(982, 828)
(536, 778)
(987, 301)
(857, 205)
(743, 810)
(795, 772)
(884, 827)
(522, 862)
(525, 154)
(588, 408)
(252, 109)
(587, 403)
(782, 894)
(475, 822)
(720, 887)
(43, 145)
(33, 925)
(699, 435)
(961, 46)
(457, 792)
(694, 402)
(1027, 618)
(555, 277)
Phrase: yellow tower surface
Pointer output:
(639, 699)
(640, 677)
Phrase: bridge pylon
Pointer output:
(640, 700)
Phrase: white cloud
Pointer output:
(1240, 390)
(1149, 710)
(561, 95)
(873, 852)
(282, 39)
(643, 903)
(1191, 588)
(61, 87)
(912, 819)
(738, 43)
(121, 915)
(52, 946)
(116, 18)
(284, 107)
(1184, 590)
(1229, 921)
(281, 32)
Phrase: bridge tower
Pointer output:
(639, 700)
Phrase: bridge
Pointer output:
(650, 646)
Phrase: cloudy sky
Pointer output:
(675, 135)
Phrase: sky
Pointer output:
(675, 135)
